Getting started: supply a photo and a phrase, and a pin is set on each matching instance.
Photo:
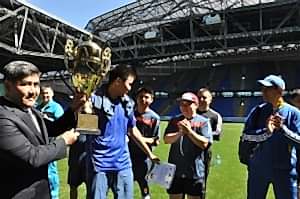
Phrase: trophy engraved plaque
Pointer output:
(88, 64)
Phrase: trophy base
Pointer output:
(87, 124)
(88, 131)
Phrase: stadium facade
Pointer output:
(180, 45)
(177, 45)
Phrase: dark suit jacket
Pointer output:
(25, 152)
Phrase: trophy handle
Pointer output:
(66, 83)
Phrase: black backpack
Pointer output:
(246, 148)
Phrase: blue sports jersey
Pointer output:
(109, 150)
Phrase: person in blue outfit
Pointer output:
(108, 154)
(51, 111)
(274, 126)
(295, 100)
(148, 124)
(189, 135)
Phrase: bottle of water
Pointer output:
(218, 159)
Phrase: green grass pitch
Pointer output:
(226, 180)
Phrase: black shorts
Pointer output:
(185, 186)
(77, 175)
(77, 167)
(139, 168)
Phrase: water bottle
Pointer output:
(218, 159)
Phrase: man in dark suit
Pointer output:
(24, 147)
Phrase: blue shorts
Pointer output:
(120, 182)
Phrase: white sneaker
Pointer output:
(146, 197)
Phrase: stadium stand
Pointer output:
(242, 18)
(183, 45)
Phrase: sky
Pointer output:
(78, 12)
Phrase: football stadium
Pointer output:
(175, 46)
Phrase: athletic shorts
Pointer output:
(139, 167)
(77, 165)
(185, 186)
(76, 175)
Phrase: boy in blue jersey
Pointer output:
(274, 126)
(189, 135)
(148, 124)
(108, 152)
(51, 111)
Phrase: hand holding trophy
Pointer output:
(88, 64)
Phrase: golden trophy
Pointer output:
(88, 64)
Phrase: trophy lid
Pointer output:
(88, 64)
(88, 53)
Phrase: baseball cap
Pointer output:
(189, 96)
(272, 80)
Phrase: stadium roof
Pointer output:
(145, 14)
(200, 32)
(30, 33)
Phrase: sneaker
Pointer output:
(146, 197)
